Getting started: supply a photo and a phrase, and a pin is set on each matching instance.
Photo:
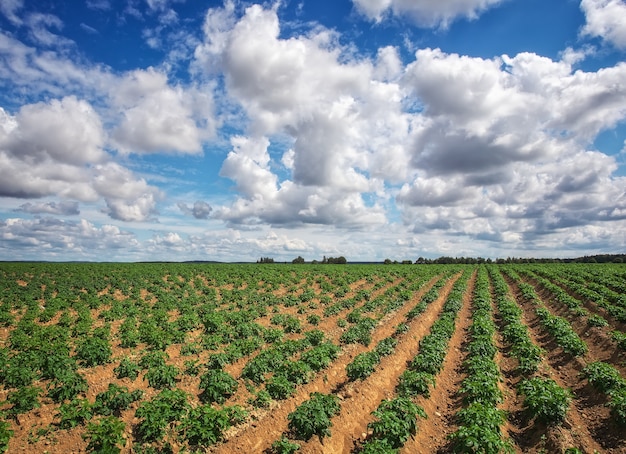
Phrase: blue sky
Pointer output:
(187, 130)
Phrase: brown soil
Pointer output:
(587, 426)
(259, 435)
(443, 403)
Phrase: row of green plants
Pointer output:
(545, 401)
(558, 327)
(514, 331)
(420, 376)
(480, 421)
(607, 380)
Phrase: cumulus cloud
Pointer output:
(81, 240)
(605, 19)
(159, 118)
(128, 198)
(303, 87)
(61, 208)
(56, 149)
(200, 209)
(425, 13)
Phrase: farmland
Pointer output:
(315, 358)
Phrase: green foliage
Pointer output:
(93, 351)
(545, 399)
(320, 356)
(67, 386)
(314, 320)
(386, 346)
(217, 386)
(24, 399)
(596, 320)
(162, 376)
(603, 376)
(360, 333)
(396, 420)
(378, 446)
(261, 399)
(127, 369)
(284, 446)
(412, 383)
(166, 407)
(313, 416)
(479, 430)
(362, 366)
(279, 387)
(204, 425)
(74, 413)
(620, 338)
(115, 399)
(105, 435)
(5, 435)
(617, 404)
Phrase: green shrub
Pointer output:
(166, 407)
(396, 420)
(284, 446)
(414, 383)
(24, 399)
(279, 387)
(162, 376)
(312, 417)
(127, 369)
(115, 399)
(204, 425)
(362, 365)
(67, 386)
(74, 413)
(5, 435)
(545, 399)
(94, 351)
(217, 386)
(105, 435)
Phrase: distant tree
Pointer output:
(387, 262)
(298, 260)
(265, 260)
(341, 260)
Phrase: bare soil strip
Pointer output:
(577, 430)
(601, 346)
(362, 397)
(443, 403)
(259, 435)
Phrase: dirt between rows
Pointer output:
(443, 403)
(359, 399)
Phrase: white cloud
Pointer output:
(200, 209)
(63, 240)
(9, 9)
(606, 19)
(425, 13)
(39, 30)
(60, 208)
(159, 118)
(67, 131)
(309, 89)
(128, 198)
(56, 149)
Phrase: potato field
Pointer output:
(273, 358)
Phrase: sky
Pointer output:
(135, 130)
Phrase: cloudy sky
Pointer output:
(208, 130)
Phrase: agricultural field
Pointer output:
(271, 358)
